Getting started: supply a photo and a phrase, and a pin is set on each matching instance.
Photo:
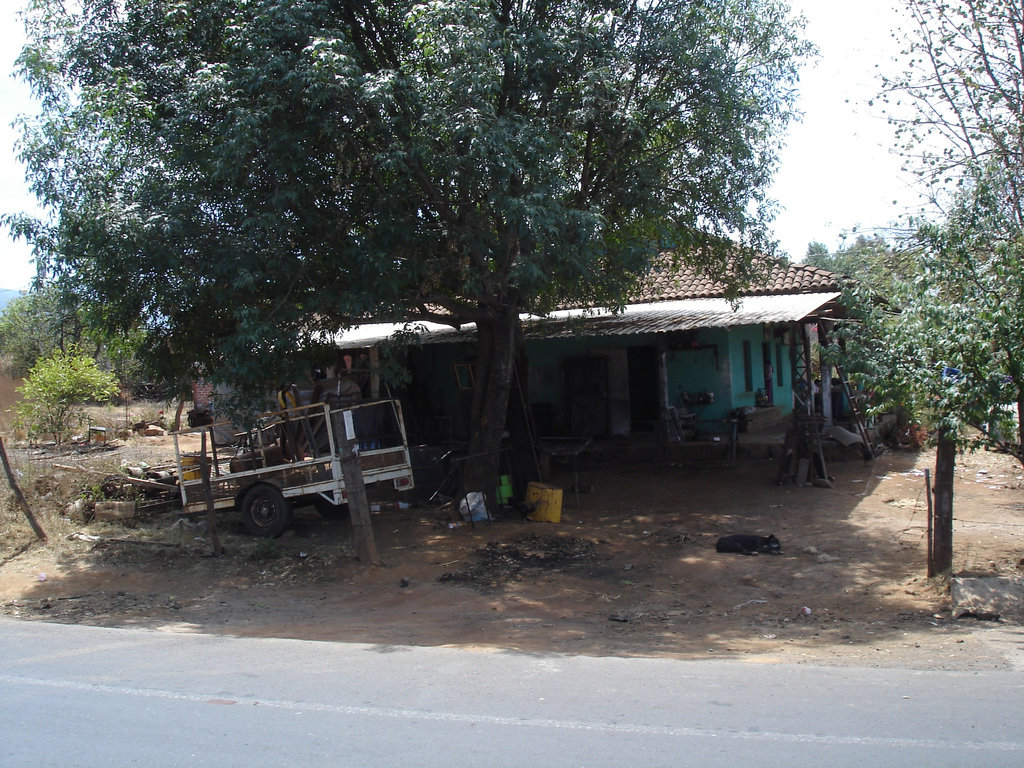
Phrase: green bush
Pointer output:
(56, 390)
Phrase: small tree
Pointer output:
(948, 343)
(953, 352)
(55, 391)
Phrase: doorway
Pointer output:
(644, 404)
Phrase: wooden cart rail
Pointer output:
(294, 453)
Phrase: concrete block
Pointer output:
(109, 511)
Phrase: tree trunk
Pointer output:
(16, 489)
(492, 384)
(177, 414)
(1019, 447)
(942, 530)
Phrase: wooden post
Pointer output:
(805, 339)
(12, 481)
(374, 373)
(355, 489)
(942, 548)
(826, 392)
(211, 518)
(931, 522)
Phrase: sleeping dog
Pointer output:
(747, 544)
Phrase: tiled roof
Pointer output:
(773, 279)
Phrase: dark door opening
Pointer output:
(643, 388)
(586, 396)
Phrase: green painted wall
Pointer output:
(710, 360)
(702, 364)
(751, 343)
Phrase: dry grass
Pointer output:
(8, 397)
(51, 490)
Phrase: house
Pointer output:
(680, 354)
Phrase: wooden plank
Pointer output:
(140, 482)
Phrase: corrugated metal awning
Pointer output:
(681, 315)
(656, 317)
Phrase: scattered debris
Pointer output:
(78, 535)
(110, 511)
(499, 563)
(755, 601)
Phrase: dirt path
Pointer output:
(632, 571)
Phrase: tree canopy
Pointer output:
(947, 342)
(242, 176)
(33, 326)
(871, 261)
(958, 105)
(951, 343)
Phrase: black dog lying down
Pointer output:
(747, 544)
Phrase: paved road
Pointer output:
(81, 696)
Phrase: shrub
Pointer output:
(56, 390)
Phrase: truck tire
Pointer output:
(265, 511)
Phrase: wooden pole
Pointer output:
(211, 518)
(355, 489)
(931, 522)
(12, 481)
(942, 549)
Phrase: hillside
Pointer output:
(6, 294)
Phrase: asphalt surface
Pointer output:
(83, 696)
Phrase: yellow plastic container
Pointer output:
(547, 500)
(190, 468)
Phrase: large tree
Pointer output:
(242, 178)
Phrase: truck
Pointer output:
(293, 455)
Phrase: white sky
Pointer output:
(836, 175)
(16, 269)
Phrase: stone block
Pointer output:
(110, 511)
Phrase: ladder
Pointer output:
(857, 416)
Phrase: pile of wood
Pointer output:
(753, 419)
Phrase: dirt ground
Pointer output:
(632, 571)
